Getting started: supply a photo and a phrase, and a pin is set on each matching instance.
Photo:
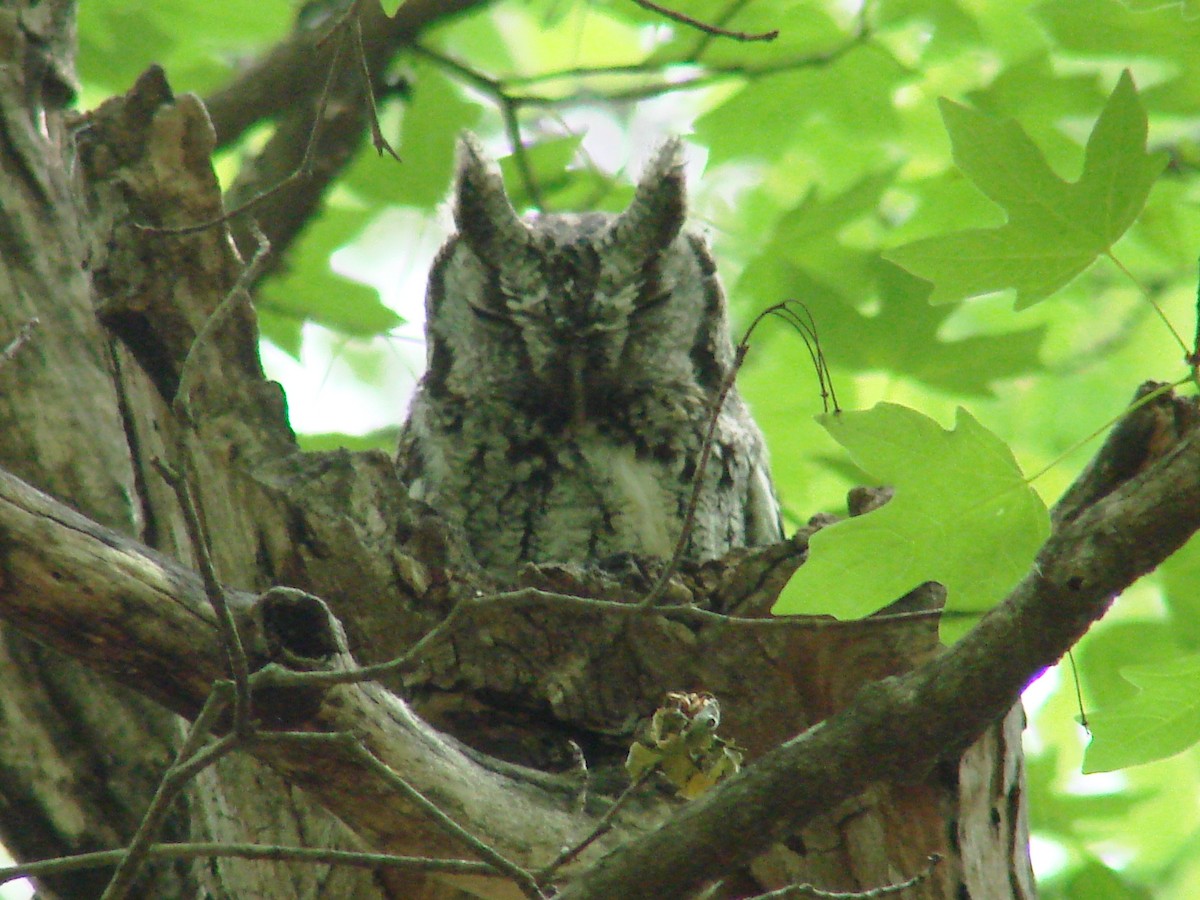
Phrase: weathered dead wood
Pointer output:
(143, 620)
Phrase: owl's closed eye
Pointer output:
(573, 361)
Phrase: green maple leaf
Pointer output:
(962, 515)
(1055, 228)
(1160, 721)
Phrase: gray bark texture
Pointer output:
(868, 746)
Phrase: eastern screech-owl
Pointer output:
(573, 364)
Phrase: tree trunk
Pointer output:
(139, 331)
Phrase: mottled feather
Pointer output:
(573, 361)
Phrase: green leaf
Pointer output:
(902, 336)
(1181, 583)
(548, 161)
(284, 331)
(962, 515)
(1162, 720)
(812, 255)
(1068, 815)
(1096, 881)
(195, 40)
(1055, 228)
(381, 439)
(433, 118)
(1122, 30)
(1042, 98)
(812, 235)
(1119, 645)
(852, 95)
(309, 290)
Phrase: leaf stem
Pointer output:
(1142, 401)
(1187, 352)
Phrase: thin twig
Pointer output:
(807, 890)
(277, 676)
(602, 828)
(524, 881)
(339, 22)
(501, 90)
(706, 39)
(239, 293)
(231, 641)
(689, 516)
(512, 128)
(507, 105)
(270, 852)
(13, 347)
(806, 325)
(377, 139)
(706, 74)
(715, 30)
(1193, 358)
(581, 72)
(303, 170)
(1083, 720)
(182, 482)
(181, 771)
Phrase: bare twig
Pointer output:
(188, 762)
(806, 325)
(302, 171)
(181, 483)
(239, 293)
(270, 852)
(717, 31)
(231, 641)
(524, 880)
(485, 84)
(340, 21)
(1083, 719)
(601, 828)
(278, 676)
(807, 890)
(689, 516)
(377, 139)
(512, 128)
(1193, 358)
(632, 70)
(706, 39)
(502, 90)
(509, 102)
(714, 416)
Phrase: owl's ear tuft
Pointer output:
(482, 211)
(659, 207)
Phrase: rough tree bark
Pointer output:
(90, 402)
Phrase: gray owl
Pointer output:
(573, 361)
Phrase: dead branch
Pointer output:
(143, 620)
(714, 30)
(898, 727)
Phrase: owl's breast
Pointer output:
(636, 493)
